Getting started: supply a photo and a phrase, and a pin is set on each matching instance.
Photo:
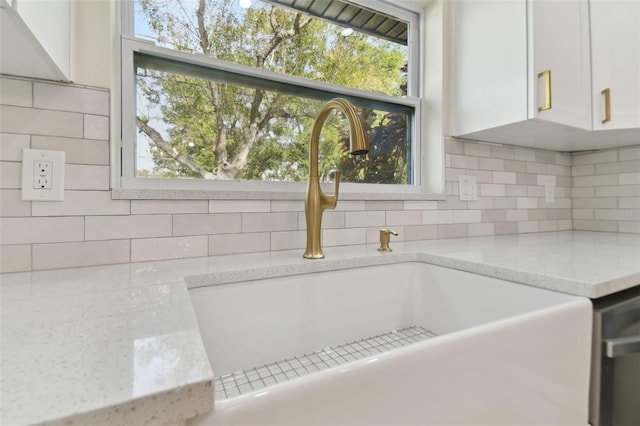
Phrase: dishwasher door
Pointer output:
(615, 375)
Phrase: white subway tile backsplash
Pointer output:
(629, 179)
(629, 227)
(75, 119)
(40, 122)
(596, 203)
(452, 231)
(537, 168)
(516, 190)
(583, 192)
(418, 232)
(239, 243)
(501, 228)
(77, 151)
(527, 227)
(215, 223)
(394, 218)
(11, 204)
(437, 217)
(70, 98)
(384, 205)
(365, 219)
(477, 149)
(169, 206)
(350, 205)
(466, 216)
(420, 205)
(131, 226)
(586, 170)
(503, 152)
(618, 191)
(596, 225)
(490, 164)
(494, 215)
(239, 206)
(344, 237)
(330, 219)
(595, 157)
(259, 222)
(504, 177)
(618, 167)
(287, 206)
(96, 127)
(582, 214)
(464, 162)
(82, 203)
(288, 240)
(77, 254)
(596, 180)
(10, 175)
(526, 203)
(628, 203)
(30, 230)
(15, 258)
(481, 229)
(493, 190)
(515, 166)
(86, 177)
(516, 215)
(11, 146)
(632, 153)
(16, 92)
(524, 154)
(169, 248)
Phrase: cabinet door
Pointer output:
(559, 44)
(615, 51)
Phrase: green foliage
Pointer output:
(207, 128)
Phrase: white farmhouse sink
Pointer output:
(503, 353)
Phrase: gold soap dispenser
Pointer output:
(385, 237)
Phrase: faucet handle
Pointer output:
(385, 237)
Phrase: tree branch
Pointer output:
(166, 147)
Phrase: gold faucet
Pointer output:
(385, 237)
(317, 201)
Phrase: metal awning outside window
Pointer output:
(353, 16)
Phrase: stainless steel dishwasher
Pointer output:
(615, 373)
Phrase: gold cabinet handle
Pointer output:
(547, 90)
(607, 105)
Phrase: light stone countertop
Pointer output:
(120, 344)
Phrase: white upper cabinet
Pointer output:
(559, 70)
(615, 43)
(36, 38)
(521, 72)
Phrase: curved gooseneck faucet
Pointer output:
(317, 201)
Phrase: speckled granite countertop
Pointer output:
(120, 344)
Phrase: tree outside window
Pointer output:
(194, 126)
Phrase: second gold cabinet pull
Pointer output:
(547, 90)
(607, 105)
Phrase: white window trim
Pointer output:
(427, 130)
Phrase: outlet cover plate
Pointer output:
(468, 187)
(54, 188)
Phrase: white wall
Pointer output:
(92, 42)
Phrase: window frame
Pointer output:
(127, 186)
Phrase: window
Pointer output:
(221, 93)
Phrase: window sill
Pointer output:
(294, 192)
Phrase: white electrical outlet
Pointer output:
(468, 188)
(549, 192)
(42, 175)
